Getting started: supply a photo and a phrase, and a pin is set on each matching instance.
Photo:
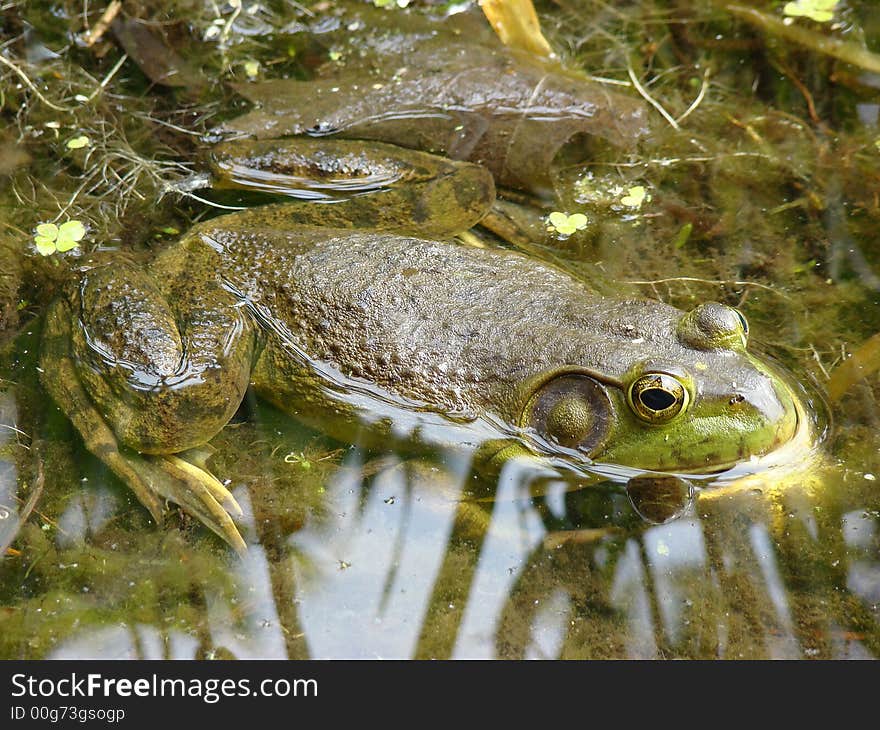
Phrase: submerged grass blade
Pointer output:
(8, 537)
(864, 362)
(836, 48)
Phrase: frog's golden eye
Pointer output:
(571, 410)
(657, 397)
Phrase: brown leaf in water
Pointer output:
(11, 158)
(863, 362)
(516, 24)
(160, 63)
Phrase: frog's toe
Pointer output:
(199, 493)
(213, 485)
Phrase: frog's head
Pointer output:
(689, 398)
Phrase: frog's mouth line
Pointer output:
(789, 453)
(792, 456)
(786, 465)
(796, 453)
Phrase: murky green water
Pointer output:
(766, 198)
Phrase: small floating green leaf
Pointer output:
(635, 196)
(69, 235)
(50, 238)
(252, 68)
(819, 10)
(683, 235)
(45, 238)
(294, 458)
(47, 230)
(77, 143)
(45, 247)
(566, 224)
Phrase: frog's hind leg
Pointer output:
(364, 185)
(141, 388)
(59, 377)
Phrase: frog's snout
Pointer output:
(765, 411)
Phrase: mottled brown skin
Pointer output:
(506, 111)
(427, 324)
(470, 331)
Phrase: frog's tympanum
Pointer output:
(365, 319)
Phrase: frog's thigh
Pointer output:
(373, 185)
(151, 478)
(491, 457)
(165, 377)
(59, 376)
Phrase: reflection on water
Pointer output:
(391, 559)
(8, 485)
(368, 573)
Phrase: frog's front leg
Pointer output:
(143, 382)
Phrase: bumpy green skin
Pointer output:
(413, 327)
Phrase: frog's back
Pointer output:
(452, 325)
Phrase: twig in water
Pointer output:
(844, 50)
(95, 34)
(36, 491)
(106, 79)
(805, 92)
(715, 282)
(696, 102)
(30, 84)
(647, 97)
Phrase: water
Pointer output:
(357, 552)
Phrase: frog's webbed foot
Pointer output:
(154, 479)
(196, 490)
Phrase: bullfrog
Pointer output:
(366, 318)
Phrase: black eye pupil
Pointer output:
(656, 399)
